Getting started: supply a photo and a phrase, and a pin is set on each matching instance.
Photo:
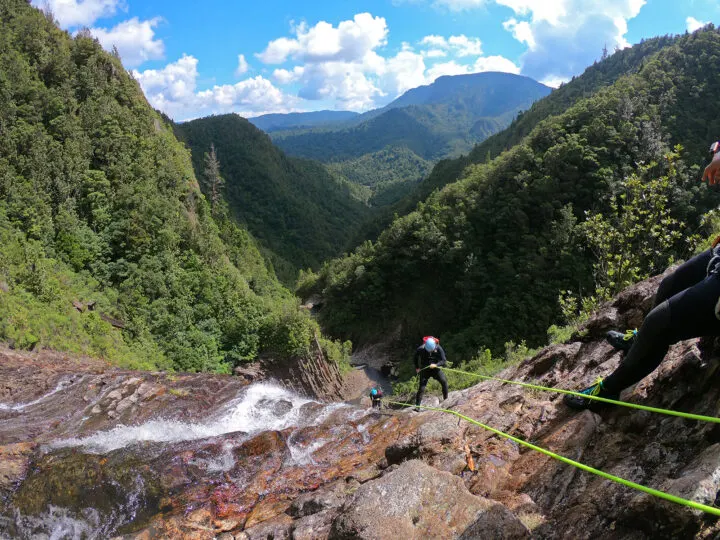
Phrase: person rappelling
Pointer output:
(376, 396)
(429, 357)
(686, 305)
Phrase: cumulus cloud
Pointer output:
(346, 64)
(565, 36)
(693, 24)
(173, 90)
(495, 63)
(71, 13)
(243, 66)
(459, 45)
(459, 5)
(350, 41)
(134, 39)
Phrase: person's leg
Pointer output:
(689, 313)
(440, 377)
(421, 387)
(685, 276)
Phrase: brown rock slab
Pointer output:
(416, 501)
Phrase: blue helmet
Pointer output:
(373, 392)
(430, 344)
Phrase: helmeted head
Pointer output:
(715, 148)
(430, 344)
(373, 392)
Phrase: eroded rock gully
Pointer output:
(88, 451)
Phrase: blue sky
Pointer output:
(198, 58)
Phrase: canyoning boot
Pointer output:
(580, 403)
(621, 341)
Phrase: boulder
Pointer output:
(416, 501)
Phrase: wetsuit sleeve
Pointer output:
(417, 358)
(443, 360)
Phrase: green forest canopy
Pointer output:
(482, 261)
(99, 206)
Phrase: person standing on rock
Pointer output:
(687, 305)
(428, 358)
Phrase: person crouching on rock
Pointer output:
(376, 396)
(428, 357)
(687, 305)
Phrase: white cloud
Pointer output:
(459, 45)
(459, 5)
(283, 76)
(521, 31)
(554, 82)
(434, 53)
(243, 66)
(435, 41)
(173, 90)
(134, 39)
(70, 13)
(465, 46)
(693, 24)
(495, 63)
(446, 68)
(350, 41)
(345, 64)
(565, 36)
(402, 72)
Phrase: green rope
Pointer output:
(586, 468)
(689, 416)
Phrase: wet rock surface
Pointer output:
(88, 451)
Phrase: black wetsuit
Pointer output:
(423, 358)
(686, 305)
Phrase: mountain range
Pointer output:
(398, 143)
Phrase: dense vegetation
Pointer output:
(102, 222)
(428, 123)
(595, 77)
(482, 261)
(294, 207)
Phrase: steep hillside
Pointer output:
(443, 119)
(107, 246)
(599, 75)
(138, 455)
(483, 261)
(294, 207)
(275, 122)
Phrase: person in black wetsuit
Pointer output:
(428, 357)
(687, 305)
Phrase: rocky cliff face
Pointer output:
(87, 451)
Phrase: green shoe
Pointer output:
(621, 341)
(579, 403)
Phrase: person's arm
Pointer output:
(417, 360)
(712, 171)
(443, 360)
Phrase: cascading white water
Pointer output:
(20, 406)
(261, 407)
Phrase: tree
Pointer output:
(213, 180)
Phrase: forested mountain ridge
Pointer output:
(425, 124)
(276, 122)
(294, 207)
(483, 261)
(595, 77)
(102, 223)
